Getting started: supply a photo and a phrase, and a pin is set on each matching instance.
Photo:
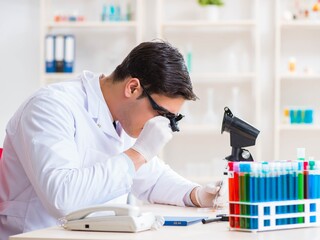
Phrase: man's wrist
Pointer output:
(137, 159)
(193, 197)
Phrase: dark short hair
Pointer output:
(160, 67)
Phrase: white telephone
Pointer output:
(125, 218)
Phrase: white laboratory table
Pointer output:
(198, 231)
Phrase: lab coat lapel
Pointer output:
(97, 107)
(105, 121)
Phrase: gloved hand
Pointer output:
(211, 194)
(153, 137)
(158, 223)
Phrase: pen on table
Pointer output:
(215, 204)
(218, 218)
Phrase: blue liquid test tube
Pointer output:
(267, 181)
(254, 188)
(312, 186)
(279, 190)
(296, 187)
(317, 179)
(284, 176)
(290, 177)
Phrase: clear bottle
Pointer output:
(292, 65)
(286, 116)
(301, 154)
(189, 57)
(235, 100)
(210, 116)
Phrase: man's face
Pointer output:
(139, 111)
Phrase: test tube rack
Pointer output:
(268, 217)
(274, 195)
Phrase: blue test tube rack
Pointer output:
(275, 195)
(268, 220)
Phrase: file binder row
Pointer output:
(59, 53)
(274, 195)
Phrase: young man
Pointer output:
(72, 144)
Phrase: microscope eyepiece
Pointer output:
(242, 134)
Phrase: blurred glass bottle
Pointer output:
(210, 116)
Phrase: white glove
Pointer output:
(155, 134)
(158, 223)
(210, 195)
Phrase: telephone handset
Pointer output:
(113, 218)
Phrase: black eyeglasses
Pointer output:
(173, 118)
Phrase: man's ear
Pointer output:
(132, 87)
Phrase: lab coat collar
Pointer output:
(97, 106)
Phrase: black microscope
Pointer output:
(242, 135)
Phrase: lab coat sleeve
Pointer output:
(48, 153)
(156, 182)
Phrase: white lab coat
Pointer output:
(61, 153)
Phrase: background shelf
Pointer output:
(294, 42)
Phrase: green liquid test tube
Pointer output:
(301, 158)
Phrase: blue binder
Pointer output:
(69, 53)
(49, 54)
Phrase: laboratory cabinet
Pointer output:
(297, 78)
(222, 55)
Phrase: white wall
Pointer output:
(19, 51)
(19, 64)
